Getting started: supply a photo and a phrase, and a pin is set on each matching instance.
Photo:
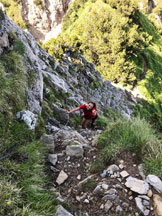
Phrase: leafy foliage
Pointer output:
(108, 40)
(13, 9)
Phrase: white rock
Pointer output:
(79, 177)
(102, 206)
(155, 182)
(121, 166)
(124, 174)
(105, 186)
(28, 117)
(137, 185)
(60, 211)
(86, 201)
(108, 205)
(52, 159)
(61, 178)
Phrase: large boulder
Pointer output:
(155, 182)
(137, 185)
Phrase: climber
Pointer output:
(90, 113)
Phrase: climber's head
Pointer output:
(91, 105)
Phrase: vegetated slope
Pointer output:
(32, 80)
(123, 43)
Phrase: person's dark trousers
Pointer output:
(93, 121)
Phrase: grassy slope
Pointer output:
(23, 183)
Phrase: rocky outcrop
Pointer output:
(44, 17)
(118, 190)
(71, 82)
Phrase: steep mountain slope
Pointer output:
(122, 42)
(35, 91)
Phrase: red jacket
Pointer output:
(89, 114)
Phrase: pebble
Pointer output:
(103, 174)
(108, 205)
(102, 206)
(149, 193)
(121, 166)
(118, 209)
(79, 177)
(131, 198)
(68, 158)
(105, 186)
(86, 201)
(146, 203)
(124, 174)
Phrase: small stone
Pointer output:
(149, 193)
(68, 158)
(118, 209)
(102, 206)
(146, 212)
(131, 198)
(105, 186)
(98, 190)
(108, 205)
(144, 197)
(86, 201)
(134, 165)
(121, 166)
(112, 176)
(125, 205)
(109, 197)
(79, 177)
(52, 159)
(141, 207)
(130, 193)
(111, 191)
(61, 178)
(118, 186)
(113, 168)
(146, 203)
(124, 174)
(74, 150)
(121, 161)
(103, 175)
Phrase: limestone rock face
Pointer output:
(44, 19)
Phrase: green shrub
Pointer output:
(101, 122)
(2, 16)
